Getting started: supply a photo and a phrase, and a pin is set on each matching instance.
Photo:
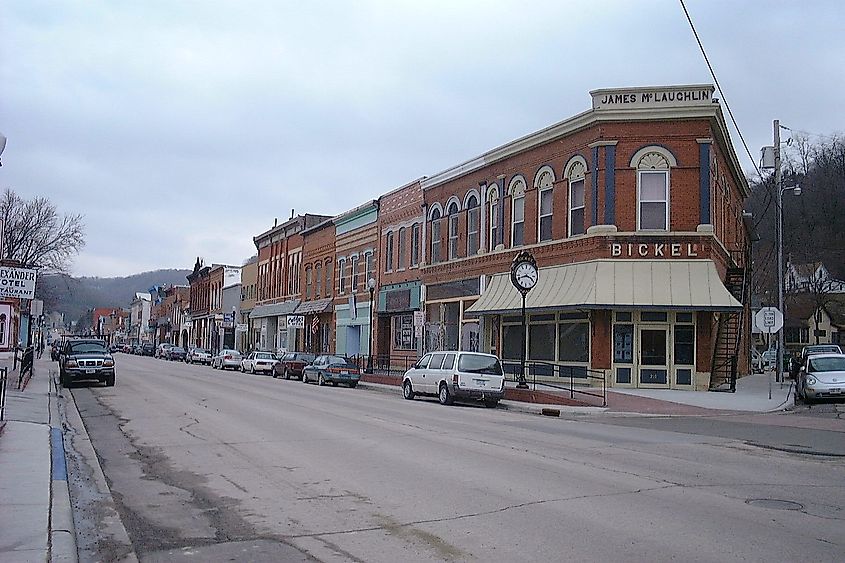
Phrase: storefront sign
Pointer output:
(653, 250)
(632, 98)
(17, 282)
(296, 321)
(399, 300)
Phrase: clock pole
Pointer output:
(524, 276)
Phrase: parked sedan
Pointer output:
(258, 361)
(331, 369)
(198, 356)
(291, 364)
(226, 359)
(175, 353)
(161, 351)
(822, 377)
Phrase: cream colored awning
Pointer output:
(614, 284)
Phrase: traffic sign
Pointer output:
(769, 320)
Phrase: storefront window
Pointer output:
(574, 342)
(512, 342)
(403, 333)
(623, 344)
(541, 342)
(685, 345)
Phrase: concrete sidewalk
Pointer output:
(36, 522)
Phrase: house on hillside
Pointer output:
(812, 277)
(807, 322)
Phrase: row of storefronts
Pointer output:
(632, 209)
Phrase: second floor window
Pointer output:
(415, 244)
(388, 252)
(473, 225)
(307, 283)
(576, 173)
(328, 270)
(545, 197)
(518, 223)
(318, 280)
(341, 276)
(353, 274)
(402, 243)
(653, 209)
(435, 236)
(452, 212)
(369, 267)
(493, 199)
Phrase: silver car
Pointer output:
(822, 377)
(226, 359)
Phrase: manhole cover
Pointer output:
(775, 504)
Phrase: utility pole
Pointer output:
(779, 196)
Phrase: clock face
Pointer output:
(525, 275)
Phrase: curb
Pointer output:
(78, 441)
(62, 539)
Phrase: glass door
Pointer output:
(654, 356)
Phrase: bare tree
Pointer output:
(36, 235)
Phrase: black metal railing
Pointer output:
(574, 379)
(384, 365)
(4, 371)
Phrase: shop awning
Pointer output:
(275, 309)
(314, 307)
(614, 284)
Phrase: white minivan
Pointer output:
(457, 376)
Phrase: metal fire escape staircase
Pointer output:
(729, 333)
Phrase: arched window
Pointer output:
(435, 235)
(402, 250)
(328, 271)
(517, 192)
(353, 274)
(493, 216)
(575, 173)
(452, 211)
(415, 244)
(307, 283)
(473, 225)
(544, 183)
(388, 252)
(341, 277)
(318, 280)
(3, 328)
(653, 165)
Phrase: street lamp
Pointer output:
(796, 190)
(371, 286)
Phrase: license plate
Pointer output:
(90, 371)
(837, 391)
(344, 373)
(480, 382)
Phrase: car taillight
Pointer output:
(227, 357)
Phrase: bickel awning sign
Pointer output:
(17, 282)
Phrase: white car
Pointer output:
(226, 359)
(259, 361)
(460, 376)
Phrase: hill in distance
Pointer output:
(73, 296)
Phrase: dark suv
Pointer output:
(85, 359)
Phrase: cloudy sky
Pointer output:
(181, 129)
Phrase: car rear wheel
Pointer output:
(408, 391)
(287, 373)
(444, 396)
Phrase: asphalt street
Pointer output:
(210, 465)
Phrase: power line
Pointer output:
(719, 86)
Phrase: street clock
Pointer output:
(524, 272)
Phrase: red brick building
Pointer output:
(633, 212)
(400, 224)
(317, 304)
(279, 283)
(200, 321)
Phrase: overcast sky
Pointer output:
(182, 129)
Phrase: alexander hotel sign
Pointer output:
(653, 97)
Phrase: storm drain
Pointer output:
(774, 504)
